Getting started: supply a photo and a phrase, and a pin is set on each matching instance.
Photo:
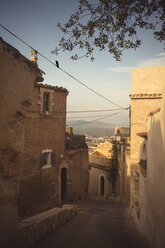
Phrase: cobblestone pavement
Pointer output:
(99, 224)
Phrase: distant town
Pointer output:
(93, 141)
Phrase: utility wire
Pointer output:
(28, 45)
(95, 92)
(88, 116)
(85, 122)
(83, 117)
(89, 111)
(57, 65)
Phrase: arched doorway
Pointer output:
(102, 186)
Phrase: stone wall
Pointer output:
(34, 229)
(95, 174)
(148, 80)
(124, 172)
(99, 160)
(146, 96)
(76, 163)
(75, 141)
(146, 201)
(140, 108)
(17, 79)
(42, 132)
(151, 192)
(98, 172)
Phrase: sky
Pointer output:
(36, 23)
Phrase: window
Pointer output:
(46, 102)
(48, 159)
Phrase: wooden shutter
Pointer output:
(42, 159)
(53, 158)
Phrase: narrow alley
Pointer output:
(99, 224)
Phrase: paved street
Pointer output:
(99, 224)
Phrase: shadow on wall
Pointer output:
(152, 197)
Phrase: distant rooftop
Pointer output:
(56, 88)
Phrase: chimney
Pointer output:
(33, 56)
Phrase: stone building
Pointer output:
(104, 149)
(38, 168)
(123, 180)
(76, 166)
(147, 153)
(101, 166)
(18, 76)
(100, 163)
(152, 174)
(44, 148)
(99, 184)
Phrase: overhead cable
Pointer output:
(88, 116)
(57, 65)
(85, 122)
(89, 111)
(95, 92)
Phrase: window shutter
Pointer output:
(42, 159)
(53, 158)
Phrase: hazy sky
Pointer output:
(36, 23)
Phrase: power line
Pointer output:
(83, 117)
(95, 92)
(81, 123)
(89, 116)
(57, 65)
(28, 45)
(89, 111)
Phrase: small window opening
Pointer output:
(46, 99)
(46, 158)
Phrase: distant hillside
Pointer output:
(92, 128)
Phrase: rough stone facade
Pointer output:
(152, 178)
(44, 133)
(33, 229)
(123, 182)
(33, 145)
(147, 153)
(18, 76)
(76, 164)
(100, 163)
(145, 97)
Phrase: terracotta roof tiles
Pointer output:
(145, 95)
(56, 88)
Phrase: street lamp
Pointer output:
(118, 136)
